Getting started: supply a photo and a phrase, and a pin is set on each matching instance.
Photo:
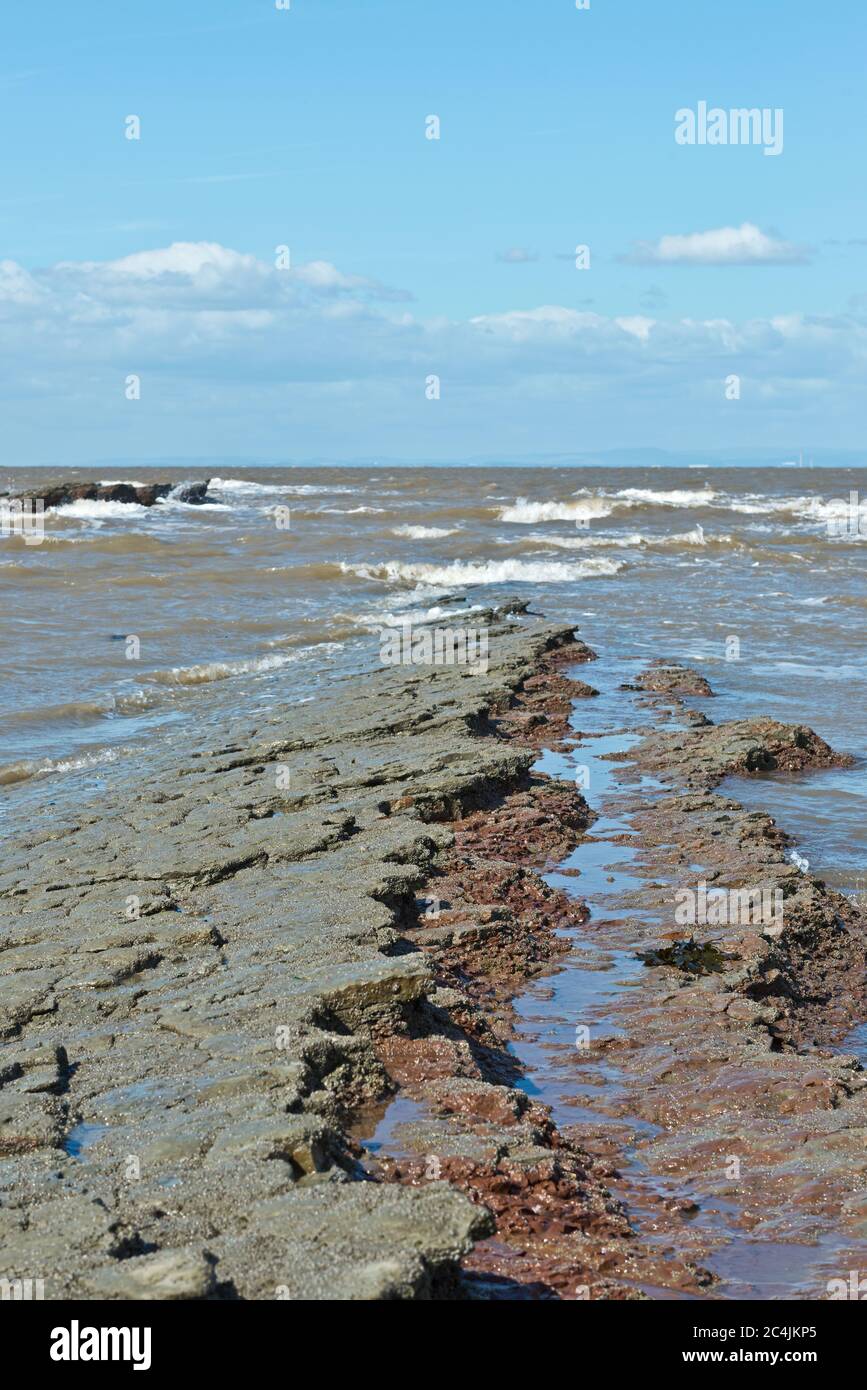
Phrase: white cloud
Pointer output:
(181, 258)
(744, 245)
(16, 286)
(322, 275)
(550, 320)
(636, 324)
(206, 273)
(233, 350)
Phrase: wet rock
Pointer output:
(357, 994)
(222, 1040)
(194, 494)
(144, 494)
(353, 1242)
(670, 678)
(752, 1012)
(58, 1239)
(27, 1122)
(300, 1140)
(710, 1062)
(26, 996)
(704, 756)
(497, 1105)
(167, 1274)
(693, 957)
(284, 974)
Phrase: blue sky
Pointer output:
(453, 257)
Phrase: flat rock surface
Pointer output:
(192, 985)
(317, 930)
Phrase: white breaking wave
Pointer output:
(676, 498)
(589, 505)
(242, 485)
(424, 533)
(222, 670)
(595, 505)
(20, 772)
(99, 510)
(836, 509)
(245, 487)
(416, 616)
(818, 510)
(755, 504)
(636, 538)
(311, 489)
(176, 504)
(526, 513)
(463, 573)
(346, 511)
(209, 671)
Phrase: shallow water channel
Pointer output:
(566, 1018)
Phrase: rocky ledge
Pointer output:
(194, 984)
(211, 990)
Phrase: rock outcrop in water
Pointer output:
(704, 756)
(670, 678)
(145, 494)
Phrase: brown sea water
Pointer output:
(235, 614)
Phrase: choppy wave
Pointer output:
(823, 672)
(334, 632)
(416, 617)
(208, 671)
(635, 539)
(99, 510)
(345, 511)
(43, 767)
(836, 510)
(245, 487)
(177, 504)
(677, 497)
(424, 533)
(753, 504)
(598, 504)
(156, 543)
(312, 489)
(594, 504)
(464, 573)
(526, 513)
(79, 711)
